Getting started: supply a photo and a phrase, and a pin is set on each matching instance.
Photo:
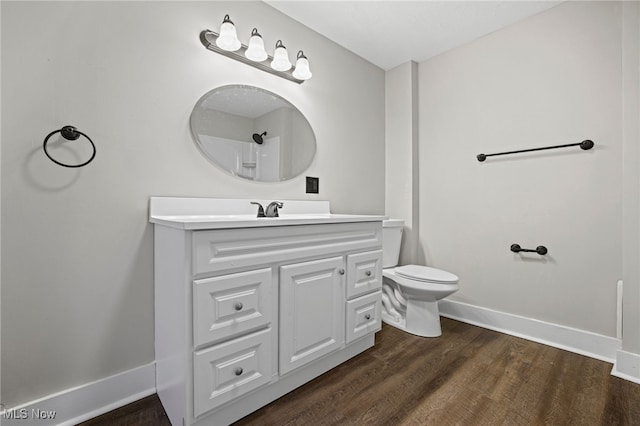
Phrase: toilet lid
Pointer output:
(426, 273)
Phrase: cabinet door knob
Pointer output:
(238, 371)
(368, 273)
(367, 317)
(238, 306)
(341, 271)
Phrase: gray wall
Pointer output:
(548, 77)
(552, 79)
(77, 276)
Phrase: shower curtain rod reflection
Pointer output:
(585, 145)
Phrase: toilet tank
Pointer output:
(391, 241)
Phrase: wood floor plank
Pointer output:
(468, 376)
(622, 403)
(590, 398)
(144, 412)
(412, 375)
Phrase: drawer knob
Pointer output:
(368, 273)
(341, 271)
(238, 306)
(238, 371)
(367, 317)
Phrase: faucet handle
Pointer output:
(260, 208)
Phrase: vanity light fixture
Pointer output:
(256, 51)
(302, 70)
(228, 38)
(280, 58)
(227, 43)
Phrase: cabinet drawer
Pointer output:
(228, 305)
(228, 370)
(363, 316)
(364, 273)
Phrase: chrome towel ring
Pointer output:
(69, 133)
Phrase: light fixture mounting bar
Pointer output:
(208, 37)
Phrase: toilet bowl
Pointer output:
(410, 293)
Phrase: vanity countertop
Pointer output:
(193, 222)
(214, 213)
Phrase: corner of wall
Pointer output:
(628, 360)
(415, 255)
(401, 162)
(627, 366)
(0, 217)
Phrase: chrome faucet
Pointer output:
(272, 209)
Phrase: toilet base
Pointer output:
(422, 319)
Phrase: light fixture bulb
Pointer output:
(302, 71)
(228, 39)
(255, 51)
(280, 58)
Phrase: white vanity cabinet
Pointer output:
(244, 315)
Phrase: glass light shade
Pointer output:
(302, 71)
(280, 58)
(228, 39)
(255, 51)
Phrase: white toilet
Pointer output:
(410, 293)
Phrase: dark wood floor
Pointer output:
(469, 376)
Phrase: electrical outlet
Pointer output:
(312, 185)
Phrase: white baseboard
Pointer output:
(84, 402)
(627, 366)
(571, 339)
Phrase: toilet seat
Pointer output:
(426, 274)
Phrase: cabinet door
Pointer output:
(229, 305)
(364, 273)
(311, 311)
(364, 316)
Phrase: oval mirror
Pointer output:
(253, 133)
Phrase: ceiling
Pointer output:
(389, 33)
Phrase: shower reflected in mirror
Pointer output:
(257, 138)
(282, 143)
